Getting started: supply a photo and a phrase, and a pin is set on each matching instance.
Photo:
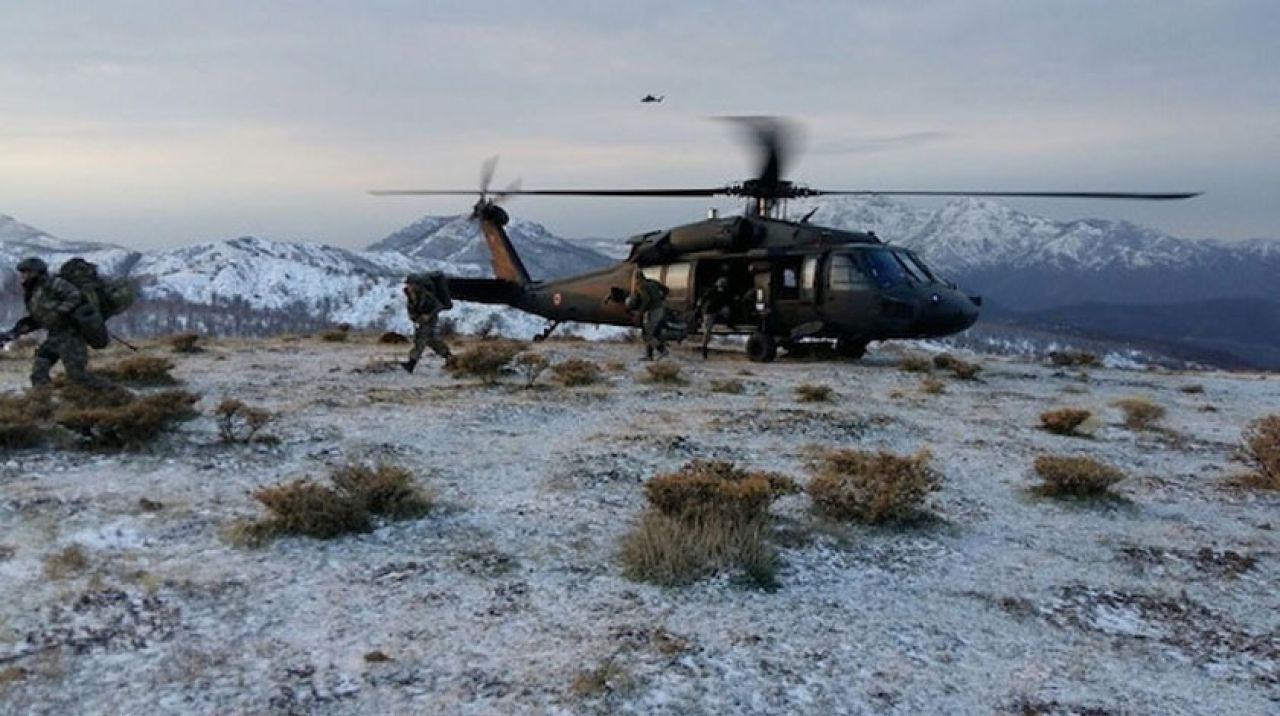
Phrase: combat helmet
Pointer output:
(33, 265)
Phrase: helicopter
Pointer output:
(796, 282)
(650, 98)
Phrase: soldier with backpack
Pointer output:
(658, 323)
(59, 306)
(426, 295)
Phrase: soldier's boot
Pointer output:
(409, 365)
(705, 352)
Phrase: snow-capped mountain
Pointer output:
(18, 241)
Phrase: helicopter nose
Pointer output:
(948, 312)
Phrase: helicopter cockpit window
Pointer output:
(884, 268)
(844, 273)
(915, 267)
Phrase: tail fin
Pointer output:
(506, 262)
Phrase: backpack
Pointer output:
(103, 298)
(437, 284)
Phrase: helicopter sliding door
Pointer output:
(792, 296)
(849, 304)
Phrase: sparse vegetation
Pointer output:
(1192, 389)
(140, 370)
(932, 385)
(338, 334)
(576, 371)
(1139, 413)
(607, 678)
(1262, 450)
(391, 338)
(1064, 421)
(914, 363)
(185, 343)
(961, 369)
(24, 418)
(728, 385)
(873, 487)
(1073, 476)
(486, 361)
(1082, 359)
(531, 365)
(308, 508)
(239, 423)
(706, 517)
(129, 422)
(70, 561)
(663, 373)
(811, 393)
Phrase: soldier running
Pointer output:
(649, 299)
(50, 302)
(713, 307)
(424, 311)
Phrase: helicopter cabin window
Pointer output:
(844, 274)
(676, 278)
(884, 268)
(808, 278)
(787, 275)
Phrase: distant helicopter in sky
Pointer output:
(650, 98)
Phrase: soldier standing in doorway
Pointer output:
(426, 295)
(714, 307)
(51, 302)
(649, 299)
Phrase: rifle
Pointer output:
(120, 340)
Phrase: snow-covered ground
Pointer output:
(506, 594)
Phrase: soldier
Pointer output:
(424, 311)
(51, 301)
(649, 299)
(714, 306)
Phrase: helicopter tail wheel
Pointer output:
(851, 348)
(761, 348)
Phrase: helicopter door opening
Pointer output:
(788, 296)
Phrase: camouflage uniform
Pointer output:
(424, 311)
(50, 301)
(649, 299)
(713, 307)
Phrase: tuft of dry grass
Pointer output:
(358, 494)
(340, 334)
(576, 371)
(961, 369)
(1261, 449)
(873, 487)
(531, 365)
(185, 343)
(70, 561)
(129, 425)
(663, 373)
(1064, 421)
(810, 393)
(24, 418)
(1192, 389)
(706, 517)
(1139, 413)
(914, 363)
(1073, 476)
(1074, 358)
(729, 385)
(932, 386)
(486, 361)
(391, 338)
(239, 423)
(140, 370)
(607, 678)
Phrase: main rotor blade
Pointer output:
(560, 192)
(1041, 194)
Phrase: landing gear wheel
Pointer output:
(851, 348)
(761, 348)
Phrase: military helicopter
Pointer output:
(647, 99)
(797, 282)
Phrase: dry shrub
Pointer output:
(140, 370)
(961, 369)
(385, 490)
(131, 425)
(1192, 389)
(359, 492)
(1065, 476)
(706, 517)
(810, 393)
(69, 561)
(239, 423)
(531, 365)
(339, 334)
(1139, 413)
(1064, 421)
(1262, 448)
(486, 361)
(576, 371)
(914, 363)
(185, 343)
(607, 678)
(873, 487)
(392, 338)
(727, 386)
(663, 373)
(24, 418)
(932, 386)
(1073, 358)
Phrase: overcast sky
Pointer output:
(156, 124)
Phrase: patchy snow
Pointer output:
(498, 600)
